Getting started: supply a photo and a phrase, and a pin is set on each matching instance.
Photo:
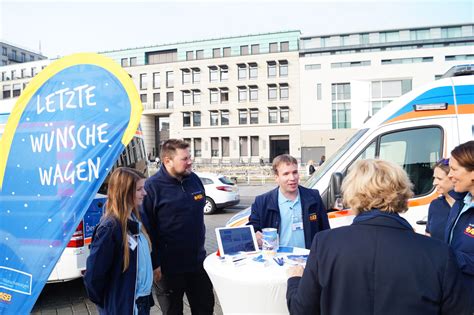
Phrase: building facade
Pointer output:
(347, 78)
(246, 98)
(235, 100)
(12, 54)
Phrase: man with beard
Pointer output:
(174, 211)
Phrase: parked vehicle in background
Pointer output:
(72, 262)
(414, 131)
(221, 192)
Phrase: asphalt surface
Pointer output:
(71, 298)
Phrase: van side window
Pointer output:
(416, 150)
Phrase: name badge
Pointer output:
(297, 226)
(132, 243)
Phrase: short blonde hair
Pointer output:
(377, 184)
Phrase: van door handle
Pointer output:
(421, 222)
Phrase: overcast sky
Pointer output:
(65, 27)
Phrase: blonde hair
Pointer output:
(121, 202)
(377, 184)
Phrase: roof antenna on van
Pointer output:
(367, 118)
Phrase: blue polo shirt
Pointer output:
(291, 217)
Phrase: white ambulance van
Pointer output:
(414, 131)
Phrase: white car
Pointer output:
(221, 192)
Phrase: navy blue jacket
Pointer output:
(175, 221)
(463, 239)
(378, 266)
(266, 214)
(106, 285)
(438, 217)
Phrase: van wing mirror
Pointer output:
(334, 189)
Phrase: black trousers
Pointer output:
(197, 286)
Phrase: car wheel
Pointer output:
(210, 206)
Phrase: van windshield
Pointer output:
(323, 169)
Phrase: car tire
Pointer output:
(210, 206)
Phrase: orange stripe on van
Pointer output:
(240, 222)
(462, 109)
(422, 201)
(339, 214)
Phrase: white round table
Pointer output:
(251, 288)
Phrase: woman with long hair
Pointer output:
(119, 273)
(378, 264)
(460, 228)
(440, 207)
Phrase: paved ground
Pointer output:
(70, 297)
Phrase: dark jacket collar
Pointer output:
(457, 196)
(382, 218)
(306, 199)
(167, 177)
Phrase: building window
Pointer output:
(243, 116)
(4, 51)
(186, 119)
(190, 55)
(143, 81)
(344, 40)
(271, 69)
(224, 95)
(196, 119)
(156, 80)
(324, 41)
(406, 60)
(385, 37)
(272, 115)
(133, 61)
(315, 66)
(253, 70)
(196, 96)
(253, 116)
(244, 50)
(196, 75)
(284, 115)
(169, 79)
(420, 34)
(242, 71)
(284, 91)
(214, 147)
(169, 99)
(272, 92)
(243, 146)
(449, 32)
(17, 90)
(383, 92)
(227, 51)
(255, 49)
(225, 146)
(224, 73)
(351, 64)
(341, 106)
(7, 91)
(284, 46)
(273, 47)
(254, 146)
(224, 117)
(186, 98)
(364, 39)
(253, 93)
(14, 54)
(459, 57)
(283, 68)
(186, 76)
(156, 100)
(242, 93)
(318, 92)
(214, 118)
(213, 96)
(124, 62)
(197, 147)
(213, 74)
(216, 53)
(199, 54)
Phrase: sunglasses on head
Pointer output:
(443, 162)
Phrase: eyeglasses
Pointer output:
(443, 162)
